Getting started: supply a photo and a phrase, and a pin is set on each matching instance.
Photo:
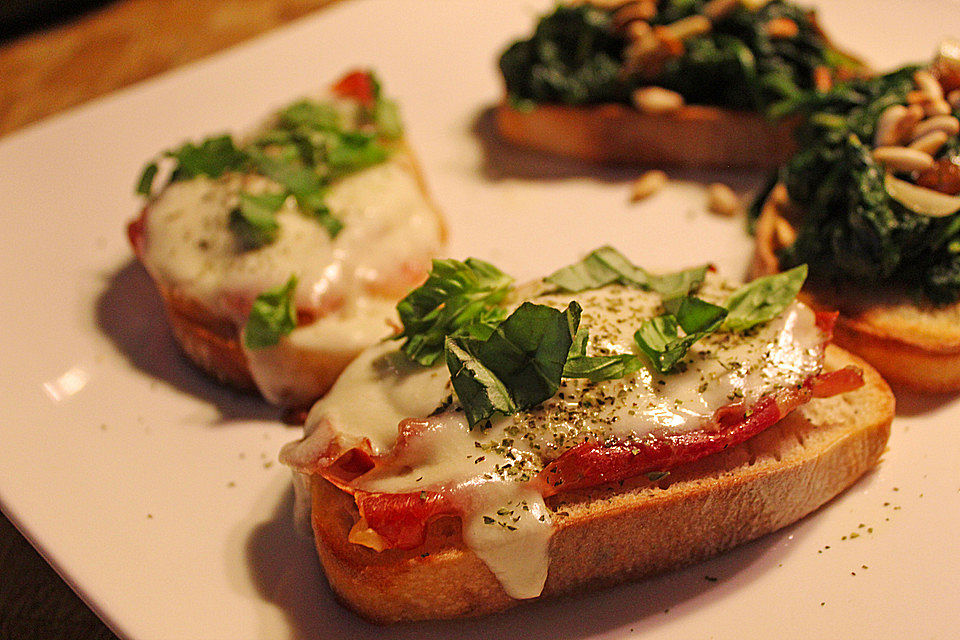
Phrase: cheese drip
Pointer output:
(490, 469)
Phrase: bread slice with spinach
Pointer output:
(681, 83)
(871, 204)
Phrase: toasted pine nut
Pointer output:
(948, 124)
(609, 5)
(638, 29)
(931, 142)
(953, 98)
(889, 128)
(936, 108)
(784, 233)
(903, 159)
(718, 9)
(782, 29)
(657, 100)
(928, 85)
(627, 13)
(722, 200)
(647, 185)
(822, 80)
(689, 27)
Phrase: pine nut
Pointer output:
(936, 108)
(928, 85)
(719, 9)
(657, 100)
(822, 79)
(953, 98)
(931, 142)
(889, 128)
(638, 29)
(689, 27)
(898, 159)
(634, 11)
(647, 185)
(722, 200)
(782, 29)
(784, 232)
(948, 124)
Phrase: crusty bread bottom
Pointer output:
(695, 136)
(608, 534)
(913, 346)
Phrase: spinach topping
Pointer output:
(851, 227)
(577, 56)
(502, 364)
(309, 145)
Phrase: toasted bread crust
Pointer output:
(912, 346)
(613, 133)
(612, 534)
(212, 341)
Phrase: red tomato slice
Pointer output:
(357, 85)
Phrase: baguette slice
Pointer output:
(914, 346)
(694, 136)
(609, 535)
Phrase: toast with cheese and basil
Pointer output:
(281, 256)
(681, 83)
(601, 425)
(871, 203)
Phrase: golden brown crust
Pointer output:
(913, 346)
(613, 133)
(608, 534)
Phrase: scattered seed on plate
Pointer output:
(657, 100)
(647, 185)
(722, 200)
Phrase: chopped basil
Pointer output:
(763, 299)
(606, 265)
(597, 368)
(272, 316)
(253, 222)
(518, 366)
(214, 157)
(457, 298)
(146, 179)
(659, 338)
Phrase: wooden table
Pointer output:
(44, 73)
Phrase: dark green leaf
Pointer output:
(598, 368)
(601, 267)
(518, 366)
(310, 114)
(272, 316)
(679, 284)
(212, 158)
(146, 179)
(457, 298)
(659, 338)
(254, 222)
(763, 299)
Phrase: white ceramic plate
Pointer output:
(156, 493)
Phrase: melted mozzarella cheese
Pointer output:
(351, 282)
(491, 470)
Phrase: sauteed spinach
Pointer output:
(851, 227)
(577, 56)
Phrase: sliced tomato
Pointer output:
(357, 85)
(401, 519)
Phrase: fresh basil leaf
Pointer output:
(672, 286)
(212, 158)
(480, 392)
(146, 179)
(253, 222)
(601, 267)
(457, 297)
(350, 151)
(271, 317)
(311, 115)
(523, 358)
(763, 299)
(599, 368)
(606, 265)
(386, 118)
(314, 204)
(659, 338)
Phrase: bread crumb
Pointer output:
(647, 185)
